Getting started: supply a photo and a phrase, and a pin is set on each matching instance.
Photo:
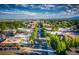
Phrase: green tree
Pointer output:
(61, 48)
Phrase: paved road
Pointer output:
(43, 48)
(40, 46)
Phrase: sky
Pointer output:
(39, 11)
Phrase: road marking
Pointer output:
(44, 50)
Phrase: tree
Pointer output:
(68, 43)
(48, 40)
(77, 42)
(61, 48)
(73, 42)
(34, 34)
(54, 41)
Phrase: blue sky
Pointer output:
(38, 11)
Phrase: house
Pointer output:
(64, 29)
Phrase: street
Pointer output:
(40, 46)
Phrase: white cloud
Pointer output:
(19, 13)
(66, 13)
(43, 6)
(35, 15)
(46, 6)
(22, 5)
